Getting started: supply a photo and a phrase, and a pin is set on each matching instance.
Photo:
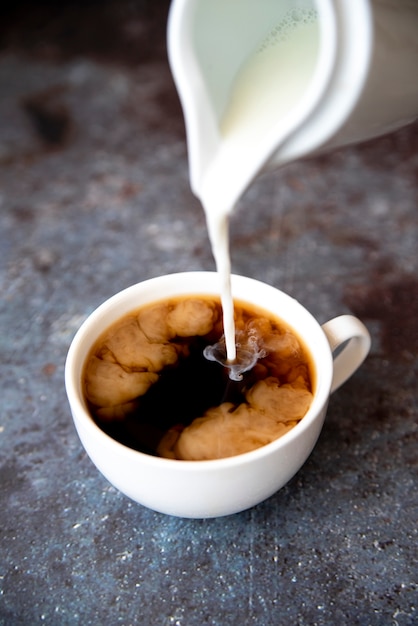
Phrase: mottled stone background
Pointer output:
(94, 196)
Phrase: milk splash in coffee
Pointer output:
(269, 85)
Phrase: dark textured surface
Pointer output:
(94, 196)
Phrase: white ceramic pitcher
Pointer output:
(364, 81)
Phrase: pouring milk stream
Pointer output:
(264, 82)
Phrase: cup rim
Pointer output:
(89, 330)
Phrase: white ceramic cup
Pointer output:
(201, 489)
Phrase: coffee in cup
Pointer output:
(219, 486)
(157, 380)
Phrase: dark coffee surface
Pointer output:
(181, 394)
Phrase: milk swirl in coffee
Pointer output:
(149, 386)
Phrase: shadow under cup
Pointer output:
(202, 489)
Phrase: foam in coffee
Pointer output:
(148, 384)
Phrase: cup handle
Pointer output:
(348, 330)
